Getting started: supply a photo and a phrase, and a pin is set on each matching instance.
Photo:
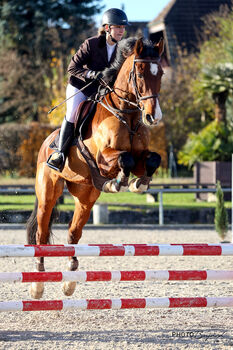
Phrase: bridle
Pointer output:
(118, 112)
(132, 76)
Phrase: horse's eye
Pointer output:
(140, 75)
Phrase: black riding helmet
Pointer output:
(115, 17)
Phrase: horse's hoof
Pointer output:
(136, 187)
(36, 290)
(69, 288)
(110, 186)
(115, 186)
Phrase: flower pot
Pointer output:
(206, 174)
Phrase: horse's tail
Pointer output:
(32, 223)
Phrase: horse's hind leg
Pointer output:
(145, 167)
(85, 197)
(49, 187)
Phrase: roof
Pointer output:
(162, 15)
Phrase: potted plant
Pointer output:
(209, 152)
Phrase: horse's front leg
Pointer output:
(119, 183)
(49, 187)
(85, 197)
(151, 163)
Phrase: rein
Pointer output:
(115, 112)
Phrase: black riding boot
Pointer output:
(57, 159)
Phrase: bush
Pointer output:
(29, 148)
(19, 146)
(212, 143)
(11, 136)
(221, 218)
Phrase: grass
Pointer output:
(16, 180)
(170, 201)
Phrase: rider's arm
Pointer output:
(77, 66)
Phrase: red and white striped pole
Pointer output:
(116, 250)
(117, 276)
(116, 304)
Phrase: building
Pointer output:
(180, 23)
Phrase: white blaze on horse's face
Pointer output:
(154, 68)
(152, 120)
(158, 113)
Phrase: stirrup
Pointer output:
(56, 167)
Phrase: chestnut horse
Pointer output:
(117, 139)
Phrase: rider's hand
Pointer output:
(95, 75)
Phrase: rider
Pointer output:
(92, 57)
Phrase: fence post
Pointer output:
(100, 214)
(161, 220)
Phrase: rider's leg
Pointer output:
(57, 159)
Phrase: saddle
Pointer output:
(84, 115)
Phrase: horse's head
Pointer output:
(145, 80)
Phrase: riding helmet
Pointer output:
(115, 16)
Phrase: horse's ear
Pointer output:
(160, 46)
(138, 47)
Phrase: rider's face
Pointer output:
(117, 31)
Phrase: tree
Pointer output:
(214, 81)
(215, 77)
(217, 80)
(28, 23)
(22, 89)
(37, 32)
(181, 114)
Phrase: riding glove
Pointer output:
(95, 75)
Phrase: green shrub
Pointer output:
(212, 143)
(221, 218)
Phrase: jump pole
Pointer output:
(116, 276)
(116, 250)
(116, 304)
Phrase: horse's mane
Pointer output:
(125, 48)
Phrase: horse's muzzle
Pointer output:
(150, 120)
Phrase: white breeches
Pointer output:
(73, 103)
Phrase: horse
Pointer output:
(117, 141)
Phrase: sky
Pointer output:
(136, 10)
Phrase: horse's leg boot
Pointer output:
(57, 159)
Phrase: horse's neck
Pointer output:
(122, 91)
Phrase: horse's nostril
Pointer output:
(149, 118)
